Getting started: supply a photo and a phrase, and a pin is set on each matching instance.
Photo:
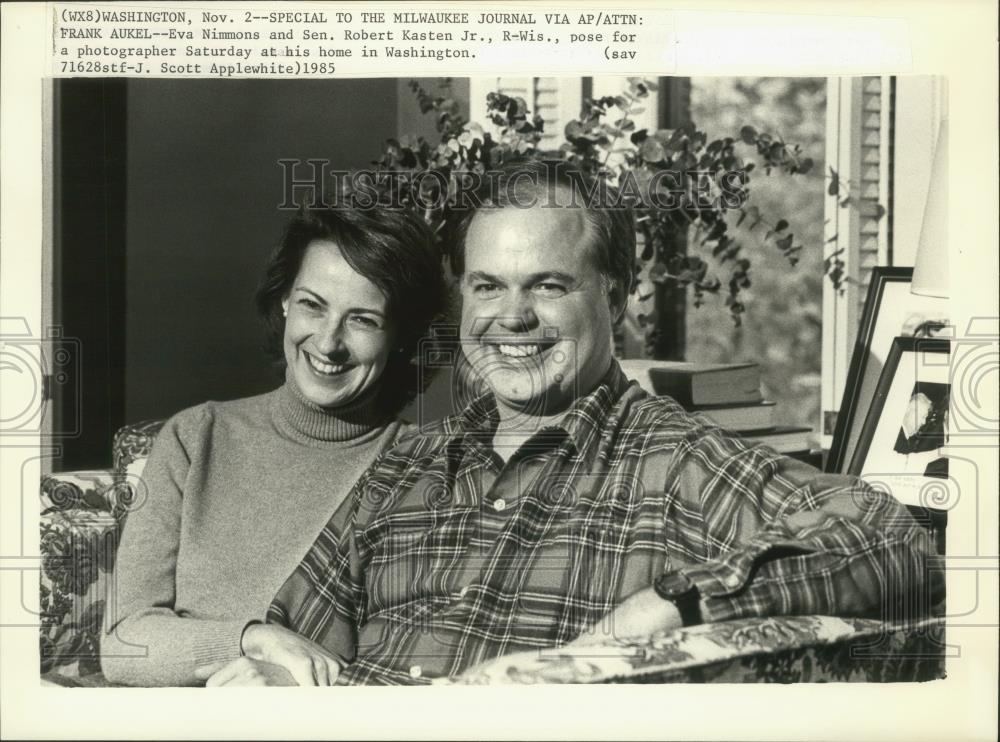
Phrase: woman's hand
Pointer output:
(306, 661)
(641, 615)
(244, 672)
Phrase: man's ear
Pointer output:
(618, 301)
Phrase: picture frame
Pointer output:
(890, 310)
(906, 427)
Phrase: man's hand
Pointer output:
(244, 672)
(307, 662)
(641, 615)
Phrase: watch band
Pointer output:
(678, 588)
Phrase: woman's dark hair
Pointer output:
(392, 248)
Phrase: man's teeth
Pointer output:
(518, 351)
(324, 368)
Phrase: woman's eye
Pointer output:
(309, 304)
(366, 322)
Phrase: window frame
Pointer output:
(901, 141)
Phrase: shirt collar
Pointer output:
(589, 424)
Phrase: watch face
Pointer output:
(679, 590)
(672, 585)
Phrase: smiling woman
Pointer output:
(337, 334)
(235, 492)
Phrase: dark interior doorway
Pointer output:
(88, 267)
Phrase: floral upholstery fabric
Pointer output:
(80, 523)
(82, 514)
(132, 446)
(783, 650)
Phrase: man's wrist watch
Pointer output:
(676, 587)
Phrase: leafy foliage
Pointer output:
(705, 183)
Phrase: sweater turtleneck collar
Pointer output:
(351, 422)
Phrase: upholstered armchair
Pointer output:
(82, 514)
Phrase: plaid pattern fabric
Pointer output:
(449, 557)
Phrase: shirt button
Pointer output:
(500, 505)
(733, 581)
(416, 671)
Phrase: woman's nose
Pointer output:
(330, 339)
(518, 314)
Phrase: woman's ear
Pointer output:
(284, 307)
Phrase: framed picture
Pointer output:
(900, 446)
(890, 311)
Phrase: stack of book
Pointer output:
(727, 393)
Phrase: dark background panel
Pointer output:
(204, 187)
(166, 207)
(89, 262)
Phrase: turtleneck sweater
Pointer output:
(230, 500)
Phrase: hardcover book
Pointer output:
(742, 418)
(695, 384)
(784, 438)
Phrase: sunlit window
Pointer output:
(782, 327)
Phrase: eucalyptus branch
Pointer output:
(589, 143)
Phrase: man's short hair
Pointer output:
(558, 184)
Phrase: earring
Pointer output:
(284, 313)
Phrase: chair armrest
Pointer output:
(91, 490)
(777, 649)
(79, 524)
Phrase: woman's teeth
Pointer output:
(325, 368)
(518, 351)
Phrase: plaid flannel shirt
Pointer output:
(447, 556)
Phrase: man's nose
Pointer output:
(518, 313)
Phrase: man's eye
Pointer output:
(550, 289)
(486, 289)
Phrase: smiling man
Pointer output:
(538, 307)
(565, 503)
